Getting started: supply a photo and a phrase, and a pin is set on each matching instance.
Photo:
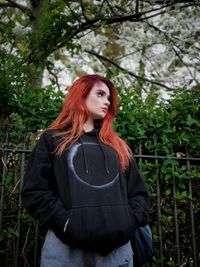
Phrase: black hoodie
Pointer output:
(86, 186)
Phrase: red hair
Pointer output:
(74, 114)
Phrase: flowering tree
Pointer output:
(154, 42)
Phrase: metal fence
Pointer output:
(174, 216)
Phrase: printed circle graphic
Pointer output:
(73, 152)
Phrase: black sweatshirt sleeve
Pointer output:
(37, 196)
(137, 195)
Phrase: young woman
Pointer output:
(83, 182)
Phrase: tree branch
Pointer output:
(107, 68)
(137, 7)
(100, 57)
(171, 40)
(24, 247)
(100, 21)
(173, 46)
(54, 75)
(181, 60)
(97, 22)
(21, 7)
(172, 1)
(136, 17)
(83, 10)
(111, 8)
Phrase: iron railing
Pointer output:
(18, 232)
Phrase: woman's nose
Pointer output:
(107, 102)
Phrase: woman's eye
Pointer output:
(100, 94)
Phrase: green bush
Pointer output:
(168, 128)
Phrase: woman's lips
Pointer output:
(105, 110)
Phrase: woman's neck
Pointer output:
(88, 125)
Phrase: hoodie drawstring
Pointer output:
(103, 151)
(84, 156)
(105, 158)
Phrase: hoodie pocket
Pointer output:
(97, 227)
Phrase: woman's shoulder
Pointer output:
(48, 133)
(50, 136)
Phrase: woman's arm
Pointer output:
(138, 198)
(37, 195)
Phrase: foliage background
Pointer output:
(176, 125)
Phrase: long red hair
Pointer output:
(74, 113)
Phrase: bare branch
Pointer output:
(111, 8)
(172, 2)
(137, 7)
(174, 44)
(54, 75)
(83, 10)
(97, 23)
(103, 63)
(126, 55)
(100, 57)
(152, 64)
(21, 7)
(180, 59)
(136, 17)
(171, 40)
(24, 247)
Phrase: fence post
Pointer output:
(176, 218)
(158, 201)
(5, 169)
(19, 208)
(192, 214)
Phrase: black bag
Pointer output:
(142, 245)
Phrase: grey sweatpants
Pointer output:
(57, 254)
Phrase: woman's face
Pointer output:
(97, 101)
